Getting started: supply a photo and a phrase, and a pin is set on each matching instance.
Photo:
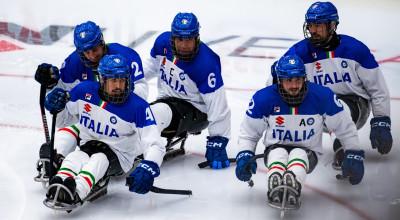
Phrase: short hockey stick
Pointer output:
(44, 119)
(129, 181)
(53, 131)
(247, 167)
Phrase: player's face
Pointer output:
(185, 46)
(318, 31)
(292, 86)
(115, 86)
(95, 54)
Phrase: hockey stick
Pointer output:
(44, 119)
(247, 167)
(207, 164)
(53, 131)
(129, 181)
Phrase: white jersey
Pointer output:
(128, 128)
(350, 69)
(300, 126)
(198, 82)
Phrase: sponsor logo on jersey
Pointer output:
(310, 121)
(84, 76)
(182, 76)
(277, 109)
(87, 107)
(318, 65)
(344, 64)
(113, 120)
(88, 96)
(280, 120)
(314, 55)
(98, 127)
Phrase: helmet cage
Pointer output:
(321, 13)
(87, 62)
(331, 29)
(293, 100)
(291, 67)
(108, 70)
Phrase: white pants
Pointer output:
(84, 169)
(279, 160)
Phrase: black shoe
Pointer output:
(44, 165)
(339, 154)
(71, 185)
(289, 179)
(273, 181)
(52, 190)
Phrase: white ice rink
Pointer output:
(246, 35)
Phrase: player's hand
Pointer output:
(142, 178)
(216, 152)
(47, 75)
(380, 135)
(353, 166)
(56, 100)
(242, 158)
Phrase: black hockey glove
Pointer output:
(47, 75)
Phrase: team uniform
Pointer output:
(350, 69)
(198, 82)
(300, 126)
(128, 128)
(73, 71)
(292, 114)
(345, 65)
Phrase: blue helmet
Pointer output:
(185, 26)
(290, 67)
(87, 36)
(115, 67)
(321, 12)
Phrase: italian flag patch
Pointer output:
(102, 104)
(293, 111)
(330, 54)
(174, 60)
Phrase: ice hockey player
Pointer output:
(116, 125)
(81, 65)
(292, 113)
(191, 94)
(345, 65)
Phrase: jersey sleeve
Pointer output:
(149, 136)
(253, 126)
(70, 114)
(218, 113)
(338, 120)
(68, 73)
(374, 83)
(152, 64)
